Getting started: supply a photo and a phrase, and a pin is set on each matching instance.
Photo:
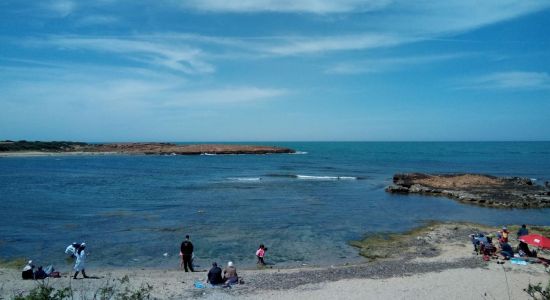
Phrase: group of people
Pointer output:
(483, 244)
(226, 277)
(29, 272)
(215, 275)
(75, 250)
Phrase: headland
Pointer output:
(21, 148)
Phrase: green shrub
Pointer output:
(46, 292)
(537, 292)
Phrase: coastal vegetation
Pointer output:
(537, 291)
(14, 263)
(137, 148)
(54, 146)
(119, 289)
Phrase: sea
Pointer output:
(133, 211)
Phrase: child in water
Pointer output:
(260, 253)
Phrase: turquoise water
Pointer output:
(131, 210)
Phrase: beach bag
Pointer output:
(199, 285)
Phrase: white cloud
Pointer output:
(286, 6)
(227, 95)
(515, 80)
(61, 8)
(390, 64)
(178, 57)
(92, 20)
(306, 45)
(119, 89)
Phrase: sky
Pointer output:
(268, 70)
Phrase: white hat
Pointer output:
(230, 264)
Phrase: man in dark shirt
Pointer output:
(523, 231)
(215, 275)
(186, 250)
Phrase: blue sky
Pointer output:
(267, 70)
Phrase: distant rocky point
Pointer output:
(138, 148)
(484, 190)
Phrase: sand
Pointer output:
(449, 270)
(491, 282)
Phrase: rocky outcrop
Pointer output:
(484, 190)
(137, 148)
(173, 149)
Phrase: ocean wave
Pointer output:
(299, 153)
(245, 178)
(313, 177)
(309, 177)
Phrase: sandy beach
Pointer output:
(434, 263)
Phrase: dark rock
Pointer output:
(483, 190)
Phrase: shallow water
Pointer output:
(131, 210)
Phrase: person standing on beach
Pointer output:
(186, 250)
(260, 253)
(80, 262)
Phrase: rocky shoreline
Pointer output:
(483, 190)
(22, 147)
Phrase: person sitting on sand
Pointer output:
(80, 262)
(504, 235)
(28, 271)
(478, 240)
(260, 253)
(524, 250)
(215, 275)
(40, 273)
(506, 251)
(230, 274)
(487, 249)
(523, 231)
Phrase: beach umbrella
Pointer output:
(536, 240)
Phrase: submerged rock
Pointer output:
(484, 190)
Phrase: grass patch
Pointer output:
(112, 290)
(15, 263)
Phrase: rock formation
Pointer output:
(484, 190)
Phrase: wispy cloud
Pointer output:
(308, 45)
(286, 6)
(120, 88)
(390, 64)
(61, 8)
(93, 20)
(516, 80)
(178, 57)
(226, 95)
